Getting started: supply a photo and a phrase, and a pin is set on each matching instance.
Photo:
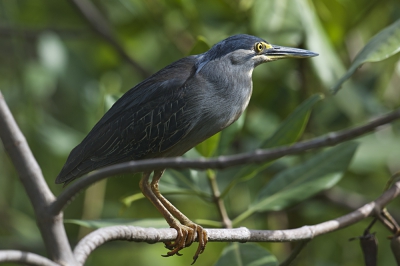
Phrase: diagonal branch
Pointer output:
(25, 257)
(152, 235)
(98, 23)
(50, 225)
(222, 162)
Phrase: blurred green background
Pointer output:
(59, 76)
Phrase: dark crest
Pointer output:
(233, 43)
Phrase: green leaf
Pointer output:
(298, 183)
(287, 133)
(301, 182)
(383, 45)
(208, 147)
(318, 41)
(127, 201)
(249, 254)
(293, 127)
(185, 182)
(95, 224)
(200, 46)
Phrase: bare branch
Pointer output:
(152, 235)
(221, 162)
(30, 174)
(98, 23)
(18, 149)
(226, 221)
(25, 258)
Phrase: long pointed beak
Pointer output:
(280, 52)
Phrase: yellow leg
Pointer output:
(185, 228)
(186, 222)
(146, 190)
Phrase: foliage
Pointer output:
(58, 77)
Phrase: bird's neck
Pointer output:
(228, 89)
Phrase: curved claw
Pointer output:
(203, 239)
(186, 236)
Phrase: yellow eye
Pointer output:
(258, 47)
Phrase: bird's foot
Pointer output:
(186, 236)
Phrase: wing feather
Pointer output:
(147, 120)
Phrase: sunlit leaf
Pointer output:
(208, 147)
(127, 201)
(383, 45)
(249, 254)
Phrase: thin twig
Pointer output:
(296, 251)
(50, 225)
(25, 257)
(99, 24)
(218, 200)
(152, 235)
(222, 162)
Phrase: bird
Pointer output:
(172, 111)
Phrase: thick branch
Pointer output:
(30, 174)
(98, 23)
(152, 235)
(221, 162)
(26, 258)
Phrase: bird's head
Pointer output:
(251, 51)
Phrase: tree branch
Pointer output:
(98, 23)
(221, 162)
(25, 258)
(51, 225)
(226, 221)
(152, 235)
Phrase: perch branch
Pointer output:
(26, 258)
(152, 235)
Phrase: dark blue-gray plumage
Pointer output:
(172, 111)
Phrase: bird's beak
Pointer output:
(280, 52)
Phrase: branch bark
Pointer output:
(25, 258)
(50, 225)
(152, 235)
(221, 162)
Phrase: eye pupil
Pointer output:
(259, 47)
